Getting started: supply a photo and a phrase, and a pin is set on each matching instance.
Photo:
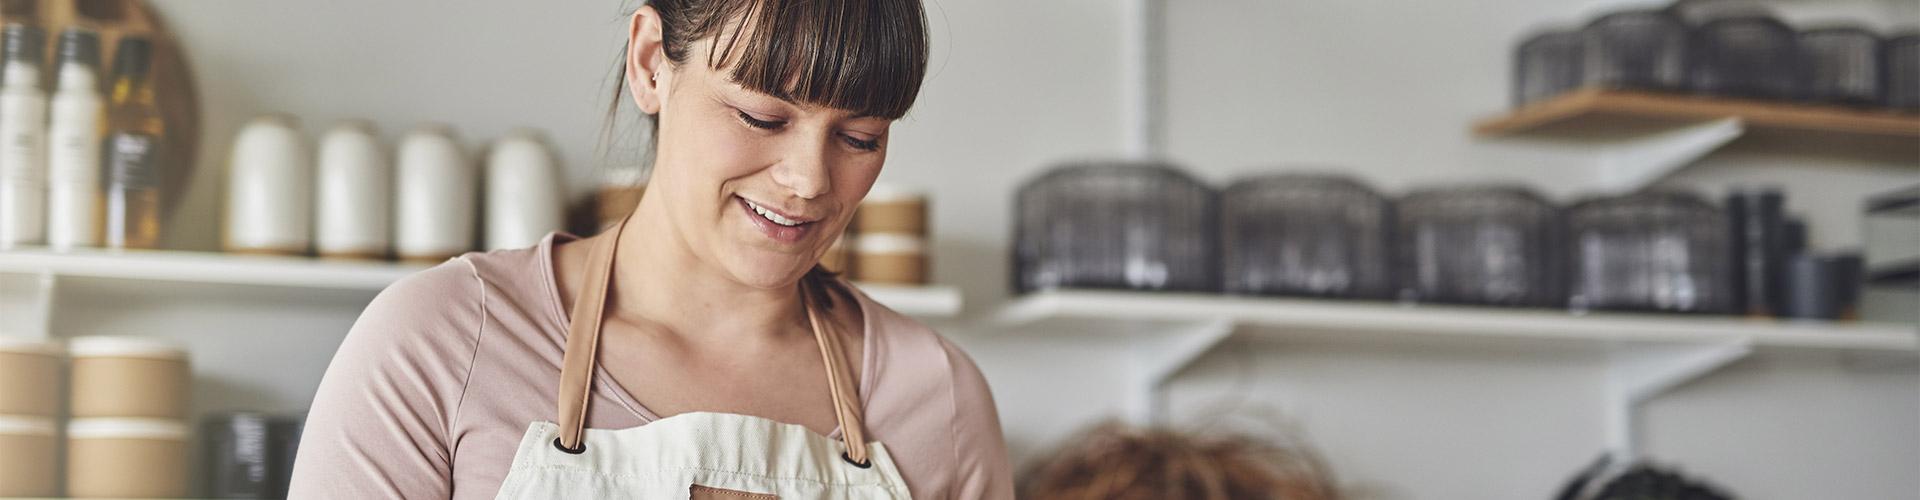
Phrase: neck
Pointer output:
(659, 280)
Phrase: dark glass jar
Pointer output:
(1142, 226)
(1305, 235)
(1654, 251)
(1493, 245)
(1842, 66)
(1547, 64)
(1637, 49)
(1902, 70)
(1753, 57)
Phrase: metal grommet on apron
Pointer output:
(695, 455)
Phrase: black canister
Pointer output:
(286, 438)
(1822, 286)
(1902, 68)
(1754, 220)
(239, 456)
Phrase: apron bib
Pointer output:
(696, 455)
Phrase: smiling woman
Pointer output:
(705, 354)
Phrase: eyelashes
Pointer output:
(856, 143)
(759, 123)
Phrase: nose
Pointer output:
(804, 171)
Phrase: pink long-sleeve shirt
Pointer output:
(436, 383)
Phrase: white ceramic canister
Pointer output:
(437, 191)
(28, 452)
(23, 139)
(354, 193)
(124, 376)
(29, 377)
(269, 189)
(525, 199)
(77, 115)
(126, 458)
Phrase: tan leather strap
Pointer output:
(583, 344)
(846, 404)
(583, 339)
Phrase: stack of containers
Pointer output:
(890, 237)
(29, 401)
(128, 436)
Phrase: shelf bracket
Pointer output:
(1636, 375)
(1637, 163)
(1157, 359)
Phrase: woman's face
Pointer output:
(756, 186)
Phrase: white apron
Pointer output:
(693, 455)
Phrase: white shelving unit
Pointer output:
(46, 267)
(1647, 354)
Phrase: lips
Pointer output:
(783, 228)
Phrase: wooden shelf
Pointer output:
(1592, 110)
(1074, 312)
(323, 274)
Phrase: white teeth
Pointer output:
(769, 215)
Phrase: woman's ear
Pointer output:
(647, 69)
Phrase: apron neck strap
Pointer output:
(583, 344)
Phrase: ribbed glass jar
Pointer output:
(1636, 49)
(1130, 225)
(1755, 57)
(1492, 245)
(1654, 251)
(1545, 65)
(1842, 66)
(1306, 235)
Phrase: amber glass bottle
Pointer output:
(131, 152)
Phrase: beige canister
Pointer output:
(620, 191)
(126, 458)
(838, 258)
(896, 259)
(892, 209)
(128, 377)
(29, 378)
(27, 456)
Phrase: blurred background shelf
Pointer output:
(1589, 109)
(1072, 312)
(222, 269)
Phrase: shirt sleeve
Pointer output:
(379, 425)
(983, 469)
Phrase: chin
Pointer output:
(767, 272)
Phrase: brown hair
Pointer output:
(863, 56)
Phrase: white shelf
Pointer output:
(1646, 354)
(206, 267)
(1093, 312)
(312, 273)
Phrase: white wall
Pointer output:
(1380, 89)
